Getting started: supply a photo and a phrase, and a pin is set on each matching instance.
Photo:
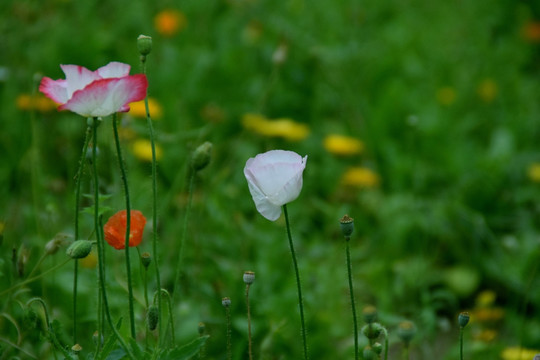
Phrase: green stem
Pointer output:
(351, 292)
(229, 345)
(184, 232)
(154, 197)
(76, 237)
(100, 245)
(128, 224)
(249, 323)
(299, 287)
(171, 314)
(461, 342)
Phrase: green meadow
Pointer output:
(420, 120)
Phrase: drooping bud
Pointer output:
(152, 317)
(463, 319)
(54, 245)
(201, 156)
(406, 331)
(146, 259)
(144, 44)
(249, 277)
(79, 249)
(347, 225)
(226, 302)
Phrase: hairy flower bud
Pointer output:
(347, 225)
(226, 302)
(144, 44)
(249, 277)
(79, 249)
(201, 156)
(152, 317)
(146, 259)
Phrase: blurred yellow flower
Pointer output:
(486, 298)
(283, 127)
(138, 109)
(38, 102)
(490, 314)
(516, 353)
(487, 90)
(534, 172)
(89, 261)
(360, 177)
(169, 22)
(142, 149)
(485, 335)
(343, 145)
(446, 95)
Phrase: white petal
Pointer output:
(264, 207)
(77, 78)
(114, 69)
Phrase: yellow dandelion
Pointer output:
(360, 177)
(142, 149)
(89, 261)
(169, 22)
(517, 353)
(343, 145)
(138, 109)
(283, 127)
(534, 172)
(487, 90)
(446, 95)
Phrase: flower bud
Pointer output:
(370, 314)
(201, 328)
(152, 317)
(76, 348)
(144, 44)
(79, 249)
(347, 225)
(54, 245)
(406, 331)
(463, 319)
(372, 331)
(368, 353)
(146, 259)
(201, 156)
(249, 277)
(226, 302)
(377, 348)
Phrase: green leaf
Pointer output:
(187, 351)
(136, 349)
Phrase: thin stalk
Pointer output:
(128, 225)
(299, 287)
(249, 323)
(100, 245)
(154, 197)
(77, 200)
(461, 342)
(229, 344)
(184, 232)
(351, 292)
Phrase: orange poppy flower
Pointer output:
(115, 229)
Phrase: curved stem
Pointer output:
(76, 237)
(154, 198)
(351, 292)
(299, 287)
(101, 251)
(128, 225)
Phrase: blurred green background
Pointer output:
(420, 119)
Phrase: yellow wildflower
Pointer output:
(487, 90)
(485, 335)
(446, 95)
(485, 298)
(343, 145)
(516, 353)
(142, 149)
(138, 109)
(169, 22)
(39, 102)
(360, 177)
(534, 172)
(284, 127)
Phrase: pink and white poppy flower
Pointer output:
(274, 179)
(98, 93)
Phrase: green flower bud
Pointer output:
(144, 44)
(368, 353)
(406, 331)
(370, 314)
(377, 348)
(226, 302)
(249, 277)
(372, 331)
(146, 259)
(463, 319)
(347, 225)
(79, 249)
(152, 317)
(201, 156)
